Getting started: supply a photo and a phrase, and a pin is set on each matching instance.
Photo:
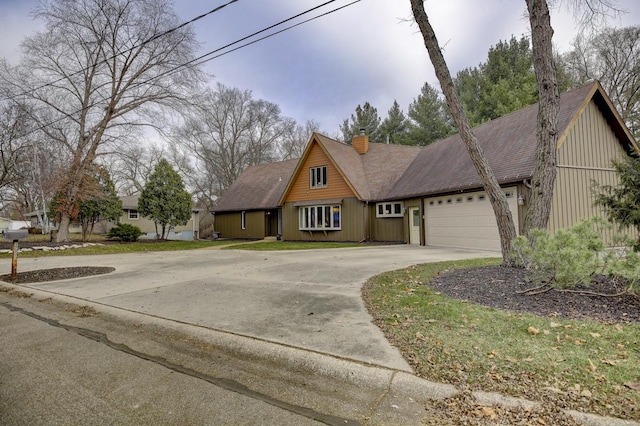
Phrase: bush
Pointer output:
(125, 232)
(568, 258)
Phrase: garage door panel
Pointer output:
(469, 223)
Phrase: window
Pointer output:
(243, 220)
(318, 177)
(133, 214)
(470, 198)
(481, 197)
(320, 218)
(389, 209)
(459, 200)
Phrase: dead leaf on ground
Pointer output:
(633, 385)
(533, 331)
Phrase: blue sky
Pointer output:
(322, 70)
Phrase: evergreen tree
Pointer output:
(164, 199)
(366, 117)
(621, 202)
(430, 118)
(506, 82)
(394, 128)
(103, 203)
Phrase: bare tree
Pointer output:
(230, 131)
(544, 174)
(497, 197)
(611, 56)
(99, 68)
(296, 137)
(132, 164)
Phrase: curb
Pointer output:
(386, 395)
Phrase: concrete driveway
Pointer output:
(308, 299)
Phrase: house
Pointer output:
(130, 215)
(429, 195)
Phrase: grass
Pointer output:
(583, 365)
(139, 246)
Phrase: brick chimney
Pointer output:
(361, 142)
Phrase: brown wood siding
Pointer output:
(229, 225)
(351, 229)
(584, 156)
(336, 185)
(388, 229)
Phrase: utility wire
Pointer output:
(201, 59)
(131, 49)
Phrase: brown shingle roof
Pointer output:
(257, 188)
(388, 172)
(371, 174)
(508, 142)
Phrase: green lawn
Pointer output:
(582, 365)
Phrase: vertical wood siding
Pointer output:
(387, 229)
(351, 230)
(584, 156)
(336, 186)
(229, 225)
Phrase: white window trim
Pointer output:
(307, 218)
(316, 177)
(131, 217)
(390, 209)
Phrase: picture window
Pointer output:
(324, 217)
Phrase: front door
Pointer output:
(414, 225)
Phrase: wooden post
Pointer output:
(14, 261)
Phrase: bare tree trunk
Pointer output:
(497, 197)
(63, 229)
(544, 175)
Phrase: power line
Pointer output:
(131, 49)
(201, 59)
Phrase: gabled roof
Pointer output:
(369, 175)
(257, 188)
(508, 142)
(388, 172)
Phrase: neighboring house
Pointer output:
(130, 215)
(35, 219)
(428, 195)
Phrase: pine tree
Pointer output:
(164, 199)
(394, 128)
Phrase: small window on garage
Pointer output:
(393, 209)
(449, 201)
(470, 198)
(430, 203)
(459, 200)
(439, 201)
(508, 194)
(481, 197)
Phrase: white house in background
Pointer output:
(130, 215)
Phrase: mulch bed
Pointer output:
(500, 287)
(54, 274)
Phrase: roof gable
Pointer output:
(257, 187)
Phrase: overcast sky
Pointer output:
(369, 51)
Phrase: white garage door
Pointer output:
(465, 220)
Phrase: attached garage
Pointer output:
(465, 220)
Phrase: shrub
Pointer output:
(567, 258)
(125, 232)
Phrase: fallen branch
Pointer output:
(536, 290)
